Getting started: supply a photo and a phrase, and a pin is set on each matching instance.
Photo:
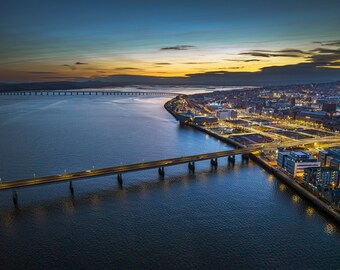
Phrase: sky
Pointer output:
(72, 40)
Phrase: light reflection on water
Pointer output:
(330, 229)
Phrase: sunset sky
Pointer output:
(68, 40)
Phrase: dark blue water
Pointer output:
(238, 217)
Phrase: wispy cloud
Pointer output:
(42, 72)
(198, 63)
(80, 63)
(162, 64)
(325, 56)
(279, 53)
(329, 43)
(240, 60)
(177, 48)
(126, 68)
(70, 66)
(317, 57)
(251, 60)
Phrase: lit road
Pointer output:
(154, 164)
(122, 168)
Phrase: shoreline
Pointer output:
(322, 206)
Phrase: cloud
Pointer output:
(279, 53)
(235, 67)
(70, 66)
(163, 64)
(80, 63)
(274, 75)
(126, 68)
(324, 56)
(317, 57)
(329, 43)
(42, 72)
(240, 60)
(251, 60)
(177, 48)
(198, 63)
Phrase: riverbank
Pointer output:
(324, 207)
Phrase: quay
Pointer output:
(324, 207)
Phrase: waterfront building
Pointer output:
(281, 158)
(227, 114)
(322, 178)
(202, 120)
(296, 161)
(330, 157)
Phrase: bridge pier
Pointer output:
(191, 166)
(71, 188)
(231, 159)
(245, 157)
(213, 162)
(15, 198)
(120, 179)
(161, 171)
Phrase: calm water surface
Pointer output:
(237, 217)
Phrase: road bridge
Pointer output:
(158, 164)
(85, 93)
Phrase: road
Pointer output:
(152, 164)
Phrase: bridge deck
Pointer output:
(121, 169)
(156, 164)
(85, 93)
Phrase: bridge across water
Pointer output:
(158, 164)
(85, 93)
(119, 170)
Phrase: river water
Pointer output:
(235, 217)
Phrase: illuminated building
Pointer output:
(322, 178)
(227, 114)
(296, 161)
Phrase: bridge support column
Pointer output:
(231, 159)
(120, 179)
(213, 162)
(245, 157)
(71, 188)
(15, 198)
(191, 166)
(161, 171)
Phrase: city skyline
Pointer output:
(58, 41)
